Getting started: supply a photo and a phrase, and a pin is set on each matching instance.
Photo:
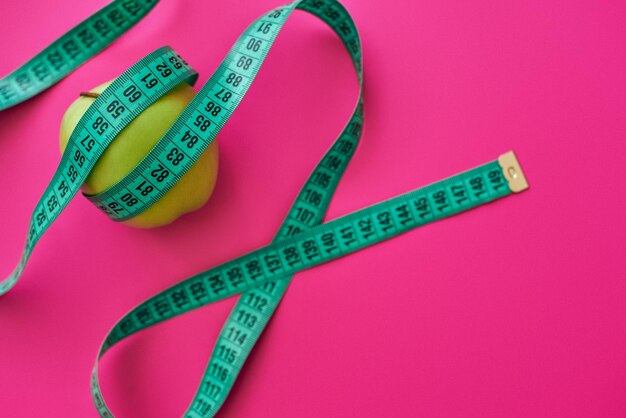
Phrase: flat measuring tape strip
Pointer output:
(302, 241)
(71, 50)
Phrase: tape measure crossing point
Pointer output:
(303, 241)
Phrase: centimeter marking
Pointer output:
(302, 242)
(71, 50)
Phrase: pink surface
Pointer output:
(515, 309)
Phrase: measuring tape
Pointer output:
(71, 50)
(302, 242)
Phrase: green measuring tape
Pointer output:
(302, 242)
(71, 50)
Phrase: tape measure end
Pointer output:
(513, 172)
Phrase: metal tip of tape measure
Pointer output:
(513, 172)
(89, 94)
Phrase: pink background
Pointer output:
(514, 309)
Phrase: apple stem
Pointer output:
(89, 94)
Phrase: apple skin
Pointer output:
(132, 144)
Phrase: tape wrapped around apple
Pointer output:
(134, 142)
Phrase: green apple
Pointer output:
(132, 144)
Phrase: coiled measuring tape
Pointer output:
(302, 242)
